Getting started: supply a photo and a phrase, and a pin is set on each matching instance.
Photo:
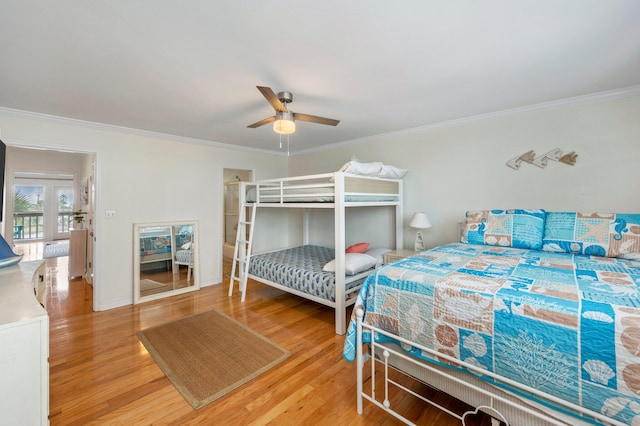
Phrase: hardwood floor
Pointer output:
(101, 374)
(65, 297)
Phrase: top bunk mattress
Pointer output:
(322, 188)
(299, 268)
(315, 195)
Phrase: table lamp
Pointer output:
(419, 221)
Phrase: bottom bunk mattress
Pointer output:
(564, 324)
(299, 268)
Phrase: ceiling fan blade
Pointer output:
(272, 98)
(315, 119)
(263, 122)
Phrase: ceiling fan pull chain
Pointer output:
(287, 145)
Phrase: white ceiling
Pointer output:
(190, 68)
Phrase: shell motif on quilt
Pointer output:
(598, 371)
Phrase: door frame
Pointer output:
(91, 167)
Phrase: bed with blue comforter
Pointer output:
(539, 310)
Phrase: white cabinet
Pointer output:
(24, 347)
(77, 252)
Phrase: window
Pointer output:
(28, 212)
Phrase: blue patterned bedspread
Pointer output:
(155, 245)
(299, 268)
(568, 325)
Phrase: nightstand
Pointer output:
(394, 255)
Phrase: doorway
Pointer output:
(43, 190)
(231, 212)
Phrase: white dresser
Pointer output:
(24, 345)
(77, 252)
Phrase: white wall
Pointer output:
(461, 166)
(452, 168)
(144, 178)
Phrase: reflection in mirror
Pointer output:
(165, 259)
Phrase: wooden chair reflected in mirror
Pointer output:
(184, 254)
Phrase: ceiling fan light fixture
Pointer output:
(284, 124)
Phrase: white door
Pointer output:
(62, 209)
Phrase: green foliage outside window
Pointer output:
(21, 203)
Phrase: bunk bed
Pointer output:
(534, 318)
(326, 275)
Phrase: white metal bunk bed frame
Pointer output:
(279, 193)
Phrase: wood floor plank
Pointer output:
(101, 374)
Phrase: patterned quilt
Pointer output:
(155, 245)
(566, 324)
(299, 268)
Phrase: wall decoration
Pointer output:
(542, 160)
(84, 192)
(527, 157)
(569, 158)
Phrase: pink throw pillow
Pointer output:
(357, 248)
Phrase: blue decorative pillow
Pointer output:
(594, 234)
(506, 228)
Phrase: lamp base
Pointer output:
(419, 244)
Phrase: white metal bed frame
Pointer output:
(498, 403)
(279, 193)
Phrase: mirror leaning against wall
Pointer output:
(165, 259)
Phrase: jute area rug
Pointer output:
(147, 284)
(207, 355)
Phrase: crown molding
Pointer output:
(542, 106)
(126, 130)
(560, 103)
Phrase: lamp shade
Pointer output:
(420, 221)
(284, 123)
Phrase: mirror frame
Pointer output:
(136, 261)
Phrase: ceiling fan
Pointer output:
(284, 120)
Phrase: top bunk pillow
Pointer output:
(355, 166)
(506, 228)
(364, 169)
(392, 172)
(594, 234)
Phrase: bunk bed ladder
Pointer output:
(242, 250)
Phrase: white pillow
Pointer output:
(186, 246)
(377, 254)
(364, 169)
(353, 263)
(392, 172)
(346, 165)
